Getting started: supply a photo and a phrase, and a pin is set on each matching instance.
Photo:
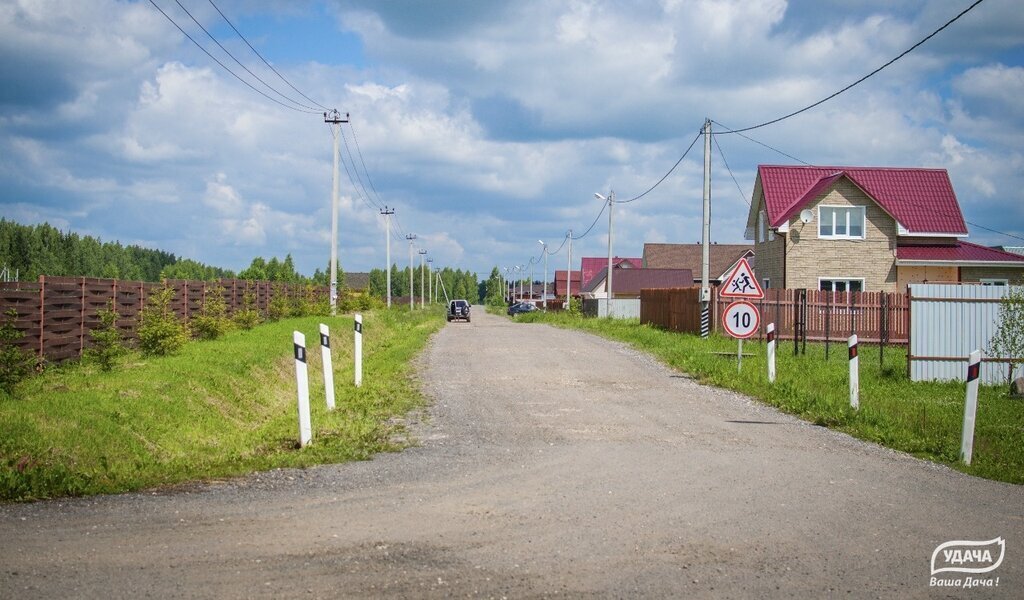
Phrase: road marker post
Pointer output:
(359, 350)
(771, 352)
(854, 372)
(325, 354)
(970, 406)
(302, 384)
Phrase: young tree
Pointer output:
(108, 343)
(1008, 340)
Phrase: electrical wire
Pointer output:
(225, 67)
(257, 53)
(580, 237)
(360, 152)
(238, 62)
(354, 168)
(663, 177)
(773, 149)
(738, 188)
(862, 79)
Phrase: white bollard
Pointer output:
(325, 354)
(771, 353)
(970, 407)
(854, 373)
(359, 350)
(302, 383)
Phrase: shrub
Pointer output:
(213, 322)
(249, 316)
(575, 306)
(108, 344)
(161, 332)
(280, 307)
(15, 363)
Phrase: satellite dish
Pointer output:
(806, 215)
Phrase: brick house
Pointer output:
(865, 229)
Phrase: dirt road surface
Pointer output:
(552, 463)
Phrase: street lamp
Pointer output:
(522, 294)
(608, 280)
(544, 296)
(430, 282)
(423, 279)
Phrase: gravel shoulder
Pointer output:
(550, 462)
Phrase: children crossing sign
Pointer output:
(741, 283)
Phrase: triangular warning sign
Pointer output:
(741, 283)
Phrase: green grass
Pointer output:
(921, 418)
(218, 409)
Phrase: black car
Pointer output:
(458, 309)
(521, 307)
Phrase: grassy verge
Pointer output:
(219, 408)
(921, 418)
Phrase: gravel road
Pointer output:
(551, 463)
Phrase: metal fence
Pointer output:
(56, 314)
(947, 323)
(622, 308)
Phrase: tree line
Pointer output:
(458, 283)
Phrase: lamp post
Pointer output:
(568, 275)
(504, 286)
(334, 119)
(430, 282)
(608, 280)
(387, 212)
(423, 279)
(533, 277)
(544, 296)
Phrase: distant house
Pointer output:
(865, 229)
(590, 266)
(722, 258)
(357, 282)
(627, 282)
(560, 281)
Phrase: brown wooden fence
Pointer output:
(56, 314)
(820, 315)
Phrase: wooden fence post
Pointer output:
(42, 313)
(81, 323)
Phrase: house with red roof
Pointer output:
(561, 279)
(591, 266)
(866, 229)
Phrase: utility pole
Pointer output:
(430, 280)
(423, 282)
(412, 294)
(387, 212)
(533, 276)
(705, 267)
(544, 295)
(568, 276)
(608, 280)
(333, 118)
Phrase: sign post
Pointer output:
(741, 320)
(771, 352)
(302, 384)
(970, 407)
(325, 354)
(359, 350)
(854, 372)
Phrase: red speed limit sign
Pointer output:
(741, 319)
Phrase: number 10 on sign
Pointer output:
(741, 319)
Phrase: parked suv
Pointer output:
(458, 309)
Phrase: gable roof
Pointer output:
(356, 281)
(560, 282)
(591, 265)
(921, 200)
(960, 253)
(691, 256)
(631, 281)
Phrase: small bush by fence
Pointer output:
(814, 315)
(56, 314)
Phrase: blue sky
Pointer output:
(486, 125)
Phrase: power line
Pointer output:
(225, 67)
(360, 151)
(580, 237)
(773, 149)
(738, 188)
(663, 177)
(862, 79)
(238, 62)
(257, 53)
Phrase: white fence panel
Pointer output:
(947, 323)
(622, 308)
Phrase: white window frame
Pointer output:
(849, 210)
(993, 281)
(844, 279)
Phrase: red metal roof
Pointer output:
(560, 283)
(591, 266)
(629, 282)
(922, 200)
(959, 252)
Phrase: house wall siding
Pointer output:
(872, 259)
(975, 274)
(769, 256)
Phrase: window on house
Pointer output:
(766, 283)
(841, 285)
(841, 222)
(990, 281)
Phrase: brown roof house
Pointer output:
(723, 257)
(866, 229)
(627, 282)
